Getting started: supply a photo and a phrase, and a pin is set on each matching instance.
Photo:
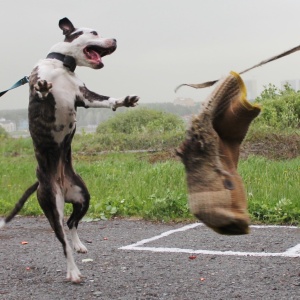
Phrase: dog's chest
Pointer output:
(65, 118)
(56, 115)
(64, 93)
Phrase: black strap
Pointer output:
(68, 61)
(22, 81)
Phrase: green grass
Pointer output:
(17, 174)
(272, 189)
(16, 146)
(94, 143)
(119, 184)
(129, 185)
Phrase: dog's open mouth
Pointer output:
(95, 54)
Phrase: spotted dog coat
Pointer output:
(55, 94)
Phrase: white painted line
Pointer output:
(294, 250)
(211, 252)
(2, 223)
(291, 252)
(164, 234)
(273, 226)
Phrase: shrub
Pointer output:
(140, 129)
(142, 120)
(280, 108)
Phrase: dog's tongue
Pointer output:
(93, 55)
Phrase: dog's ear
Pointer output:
(66, 26)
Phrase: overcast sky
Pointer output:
(161, 43)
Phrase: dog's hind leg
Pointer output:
(52, 202)
(78, 195)
(77, 244)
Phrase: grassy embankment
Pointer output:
(152, 185)
(149, 185)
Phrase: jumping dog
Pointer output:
(55, 94)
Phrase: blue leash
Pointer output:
(22, 81)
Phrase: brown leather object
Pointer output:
(210, 155)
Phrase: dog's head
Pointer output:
(84, 44)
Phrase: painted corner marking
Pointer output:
(140, 246)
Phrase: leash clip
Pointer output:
(25, 80)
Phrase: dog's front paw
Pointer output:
(129, 101)
(74, 275)
(43, 88)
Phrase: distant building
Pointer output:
(8, 126)
(184, 102)
(23, 125)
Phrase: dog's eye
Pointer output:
(94, 32)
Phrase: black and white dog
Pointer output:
(55, 94)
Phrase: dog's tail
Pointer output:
(20, 204)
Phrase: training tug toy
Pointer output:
(210, 155)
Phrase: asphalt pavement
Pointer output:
(134, 259)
